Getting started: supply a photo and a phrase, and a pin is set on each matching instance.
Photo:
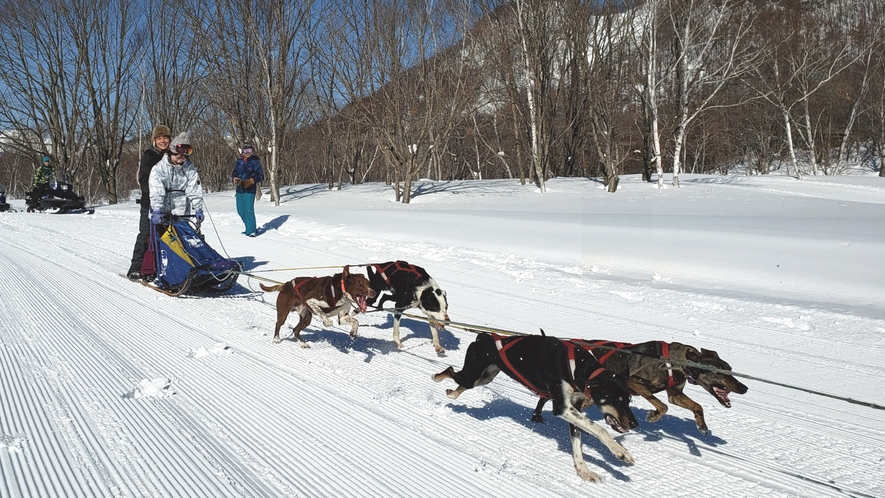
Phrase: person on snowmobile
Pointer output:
(175, 183)
(44, 175)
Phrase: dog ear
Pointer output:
(709, 352)
(691, 354)
(346, 271)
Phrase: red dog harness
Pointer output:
(297, 288)
(570, 347)
(398, 266)
(614, 347)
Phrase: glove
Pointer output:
(199, 216)
(156, 217)
(248, 183)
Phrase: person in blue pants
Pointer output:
(247, 172)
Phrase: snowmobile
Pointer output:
(184, 263)
(3, 205)
(59, 198)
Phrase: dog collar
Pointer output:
(599, 371)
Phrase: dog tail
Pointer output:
(539, 328)
(271, 288)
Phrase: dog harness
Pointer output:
(614, 347)
(310, 279)
(570, 347)
(398, 266)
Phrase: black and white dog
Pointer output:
(409, 286)
(551, 368)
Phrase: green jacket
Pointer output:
(44, 174)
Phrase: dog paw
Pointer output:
(304, 345)
(445, 374)
(653, 416)
(623, 455)
(703, 429)
(276, 340)
(537, 418)
(452, 393)
(327, 322)
(439, 349)
(588, 475)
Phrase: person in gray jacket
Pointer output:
(175, 183)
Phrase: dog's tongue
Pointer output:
(722, 394)
(361, 302)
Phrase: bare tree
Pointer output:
(652, 74)
(41, 109)
(423, 90)
(107, 55)
(797, 64)
(264, 53)
(712, 51)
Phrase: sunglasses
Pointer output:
(183, 149)
(247, 151)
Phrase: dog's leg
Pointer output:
(303, 322)
(536, 415)
(678, 398)
(314, 306)
(396, 339)
(639, 388)
(433, 332)
(578, 456)
(570, 414)
(285, 305)
(347, 319)
(464, 380)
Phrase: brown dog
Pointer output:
(322, 296)
(655, 366)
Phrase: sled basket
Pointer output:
(186, 264)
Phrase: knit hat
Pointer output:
(46, 159)
(247, 145)
(161, 131)
(182, 141)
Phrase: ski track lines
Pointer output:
(285, 423)
(85, 409)
(774, 474)
(485, 431)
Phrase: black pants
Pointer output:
(141, 242)
(40, 189)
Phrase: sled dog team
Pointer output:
(574, 374)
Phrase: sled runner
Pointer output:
(60, 198)
(185, 263)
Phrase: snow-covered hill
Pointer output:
(108, 388)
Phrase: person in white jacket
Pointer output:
(175, 183)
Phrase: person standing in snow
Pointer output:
(44, 175)
(175, 183)
(161, 136)
(246, 174)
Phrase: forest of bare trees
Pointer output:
(398, 90)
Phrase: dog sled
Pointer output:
(182, 262)
(59, 198)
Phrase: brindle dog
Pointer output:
(324, 297)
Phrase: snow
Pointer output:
(108, 388)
